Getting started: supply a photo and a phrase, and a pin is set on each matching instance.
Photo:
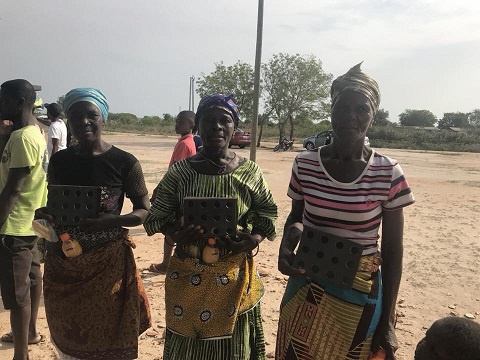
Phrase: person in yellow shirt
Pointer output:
(23, 189)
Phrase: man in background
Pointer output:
(22, 190)
(57, 130)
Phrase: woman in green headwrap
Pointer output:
(344, 189)
(95, 303)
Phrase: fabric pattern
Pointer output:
(257, 212)
(191, 310)
(96, 304)
(24, 149)
(349, 210)
(218, 101)
(356, 80)
(256, 208)
(322, 322)
(116, 172)
(246, 343)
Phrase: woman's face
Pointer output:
(85, 121)
(216, 128)
(352, 115)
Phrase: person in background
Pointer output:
(95, 303)
(22, 190)
(184, 148)
(57, 130)
(450, 338)
(198, 140)
(348, 190)
(213, 311)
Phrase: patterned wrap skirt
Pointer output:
(325, 322)
(96, 304)
(213, 311)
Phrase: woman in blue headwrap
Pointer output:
(95, 303)
(212, 304)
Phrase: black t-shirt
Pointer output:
(116, 172)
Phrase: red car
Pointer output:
(240, 138)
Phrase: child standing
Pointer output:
(184, 148)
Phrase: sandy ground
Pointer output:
(441, 264)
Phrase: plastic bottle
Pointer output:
(70, 246)
(380, 355)
(211, 253)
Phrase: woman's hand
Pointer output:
(386, 339)
(244, 242)
(42, 213)
(102, 222)
(291, 237)
(186, 235)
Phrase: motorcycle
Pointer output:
(284, 145)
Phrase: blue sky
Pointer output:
(424, 54)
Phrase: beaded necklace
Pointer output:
(221, 168)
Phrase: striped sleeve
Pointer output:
(165, 204)
(295, 190)
(400, 194)
(263, 209)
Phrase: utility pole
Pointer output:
(256, 86)
(191, 95)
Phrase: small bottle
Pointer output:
(70, 246)
(211, 253)
(380, 355)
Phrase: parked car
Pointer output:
(240, 138)
(323, 138)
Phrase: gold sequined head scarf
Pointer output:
(356, 80)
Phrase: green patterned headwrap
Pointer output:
(356, 80)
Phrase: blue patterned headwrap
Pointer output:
(91, 95)
(217, 101)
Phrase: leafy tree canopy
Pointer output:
(123, 118)
(236, 79)
(474, 118)
(295, 85)
(457, 119)
(381, 118)
(412, 117)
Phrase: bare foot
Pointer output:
(158, 268)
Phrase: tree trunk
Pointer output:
(281, 129)
(260, 135)
(290, 118)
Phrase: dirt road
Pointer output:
(442, 252)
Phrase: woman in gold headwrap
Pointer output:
(345, 189)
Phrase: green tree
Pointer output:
(168, 119)
(60, 100)
(381, 118)
(412, 117)
(151, 120)
(474, 118)
(457, 119)
(236, 79)
(122, 118)
(295, 85)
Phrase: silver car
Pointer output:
(323, 138)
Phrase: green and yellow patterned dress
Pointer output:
(213, 311)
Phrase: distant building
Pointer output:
(457, 129)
